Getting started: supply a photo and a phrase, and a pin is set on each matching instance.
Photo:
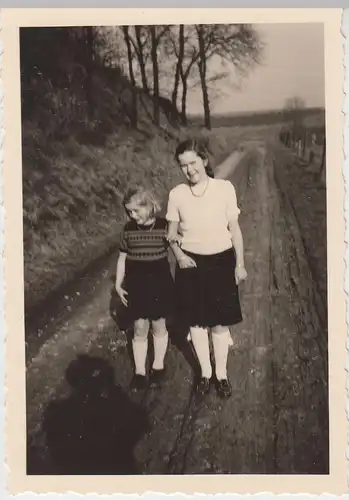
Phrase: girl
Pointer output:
(144, 282)
(210, 260)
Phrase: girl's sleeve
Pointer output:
(232, 209)
(123, 244)
(172, 214)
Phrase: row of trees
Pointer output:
(163, 61)
(167, 61)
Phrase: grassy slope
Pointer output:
(73, 183)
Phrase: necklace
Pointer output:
(144, 227)
(203, 192)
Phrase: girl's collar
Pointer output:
(146, 227)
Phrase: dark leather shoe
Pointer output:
(203, 386)
(139, 382)
(157, 377)
(224, 389)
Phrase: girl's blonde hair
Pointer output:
(144, 198)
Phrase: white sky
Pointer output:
(293, 65)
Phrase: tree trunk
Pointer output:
(154, 57)
(202, 71)
(179, 66)
(134, 117)
(140, 57)
(184, 102)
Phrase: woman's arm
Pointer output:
(238, 243)
(172, 238)
(182, 258)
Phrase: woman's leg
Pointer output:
(220, 340)
(160, 337)
(199, 338)
(140, 345)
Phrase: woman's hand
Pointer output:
(186, 262)
(240, 274)
(122, 294)
(177, 239)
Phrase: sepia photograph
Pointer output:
(175, 189)
(130, 274)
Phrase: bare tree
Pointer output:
(202, 64)
(157, 33)
(185, 51)
(237, 44)
(179, 65)
(134, 118)
(140, 45)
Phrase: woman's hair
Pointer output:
(142, 197)
(200, 150)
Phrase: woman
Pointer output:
(210, 260)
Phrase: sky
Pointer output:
(293, 65)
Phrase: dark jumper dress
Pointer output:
(148, 280)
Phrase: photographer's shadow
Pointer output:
(95, 430)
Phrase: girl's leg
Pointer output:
(199, 338)
(160, 337)
(140, 345)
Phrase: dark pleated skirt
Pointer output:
(150, 289)
(207, 295)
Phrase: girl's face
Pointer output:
(193, 166)
(139, 213)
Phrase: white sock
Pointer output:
(230, 339)
(140, 348)
(160, 348)
(220, 348)
(199, 337)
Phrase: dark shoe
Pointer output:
(157, 377)
(203, 386)
(139, 382)
(224, 389)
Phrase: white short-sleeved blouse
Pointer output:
(203, 221)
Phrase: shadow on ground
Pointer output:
(95, 429)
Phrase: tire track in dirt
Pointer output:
(276, 421)
(229, 437)
(88, 329)
(299, 354)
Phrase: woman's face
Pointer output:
(193, 166)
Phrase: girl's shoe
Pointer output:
(139, 382)
(224, 389)
(157, 377)
(203, 386)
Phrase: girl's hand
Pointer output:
(122, 294)
(240, 274)
(186, 262)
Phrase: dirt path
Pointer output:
(276, 421)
